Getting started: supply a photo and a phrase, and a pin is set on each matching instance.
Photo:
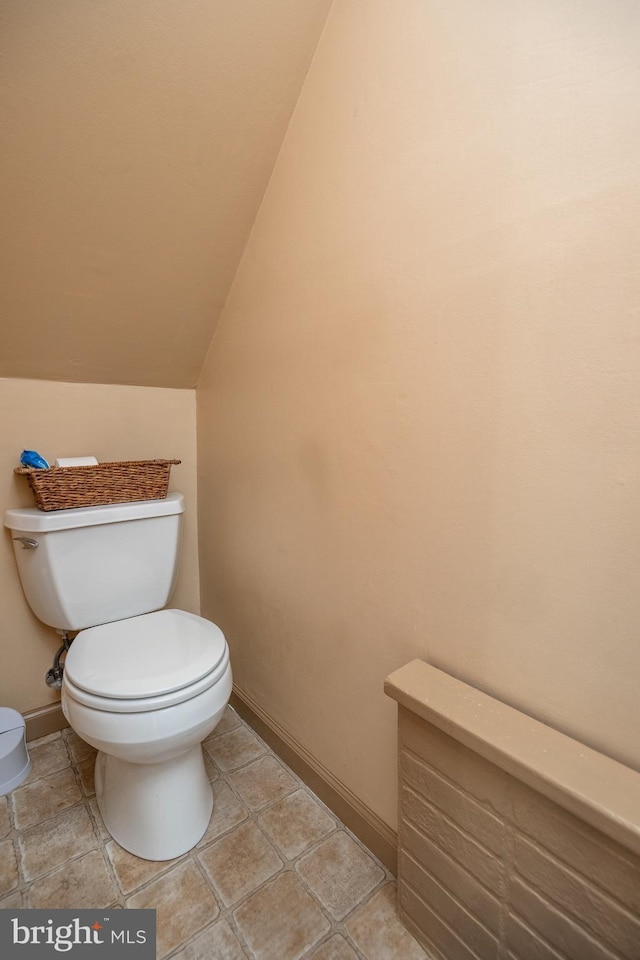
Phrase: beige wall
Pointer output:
(137, 141)
(418, 425)
(111, 423)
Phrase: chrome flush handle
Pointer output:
(28, 543)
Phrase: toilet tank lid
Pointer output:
(32, 520)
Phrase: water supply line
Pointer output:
(53, 676)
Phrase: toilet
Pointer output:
(143, 684)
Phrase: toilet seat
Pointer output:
(145, 663)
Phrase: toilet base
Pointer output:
(156, 811)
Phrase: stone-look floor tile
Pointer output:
(5, 822)
(50, 844)
(67, 858)
(377, 932)
(232, 750)
(14, 901)
(240, 862)
(262, 782)
(281, 921)
(210, 768)
(41, 741)
(82, 883)
(340, 873)
(9, 877)
(296, 823)
(336, 948)
(230, 720)
(97, 816)
(217, 942)
(86, 769)
(132, 872)
(79, 748)
(228, 812)
(183, 903)
(44, 798)
(48, 755)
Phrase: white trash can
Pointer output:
(15, 763)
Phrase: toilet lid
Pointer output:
(145, 656)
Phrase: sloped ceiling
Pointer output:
(137, 141)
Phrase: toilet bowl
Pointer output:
(146, 705)
(144, 685)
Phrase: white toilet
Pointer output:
(144, 685)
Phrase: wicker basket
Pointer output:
(62, 488)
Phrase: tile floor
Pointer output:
(275, 877)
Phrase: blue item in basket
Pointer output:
(29, 458)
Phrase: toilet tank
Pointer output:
(92, 565)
